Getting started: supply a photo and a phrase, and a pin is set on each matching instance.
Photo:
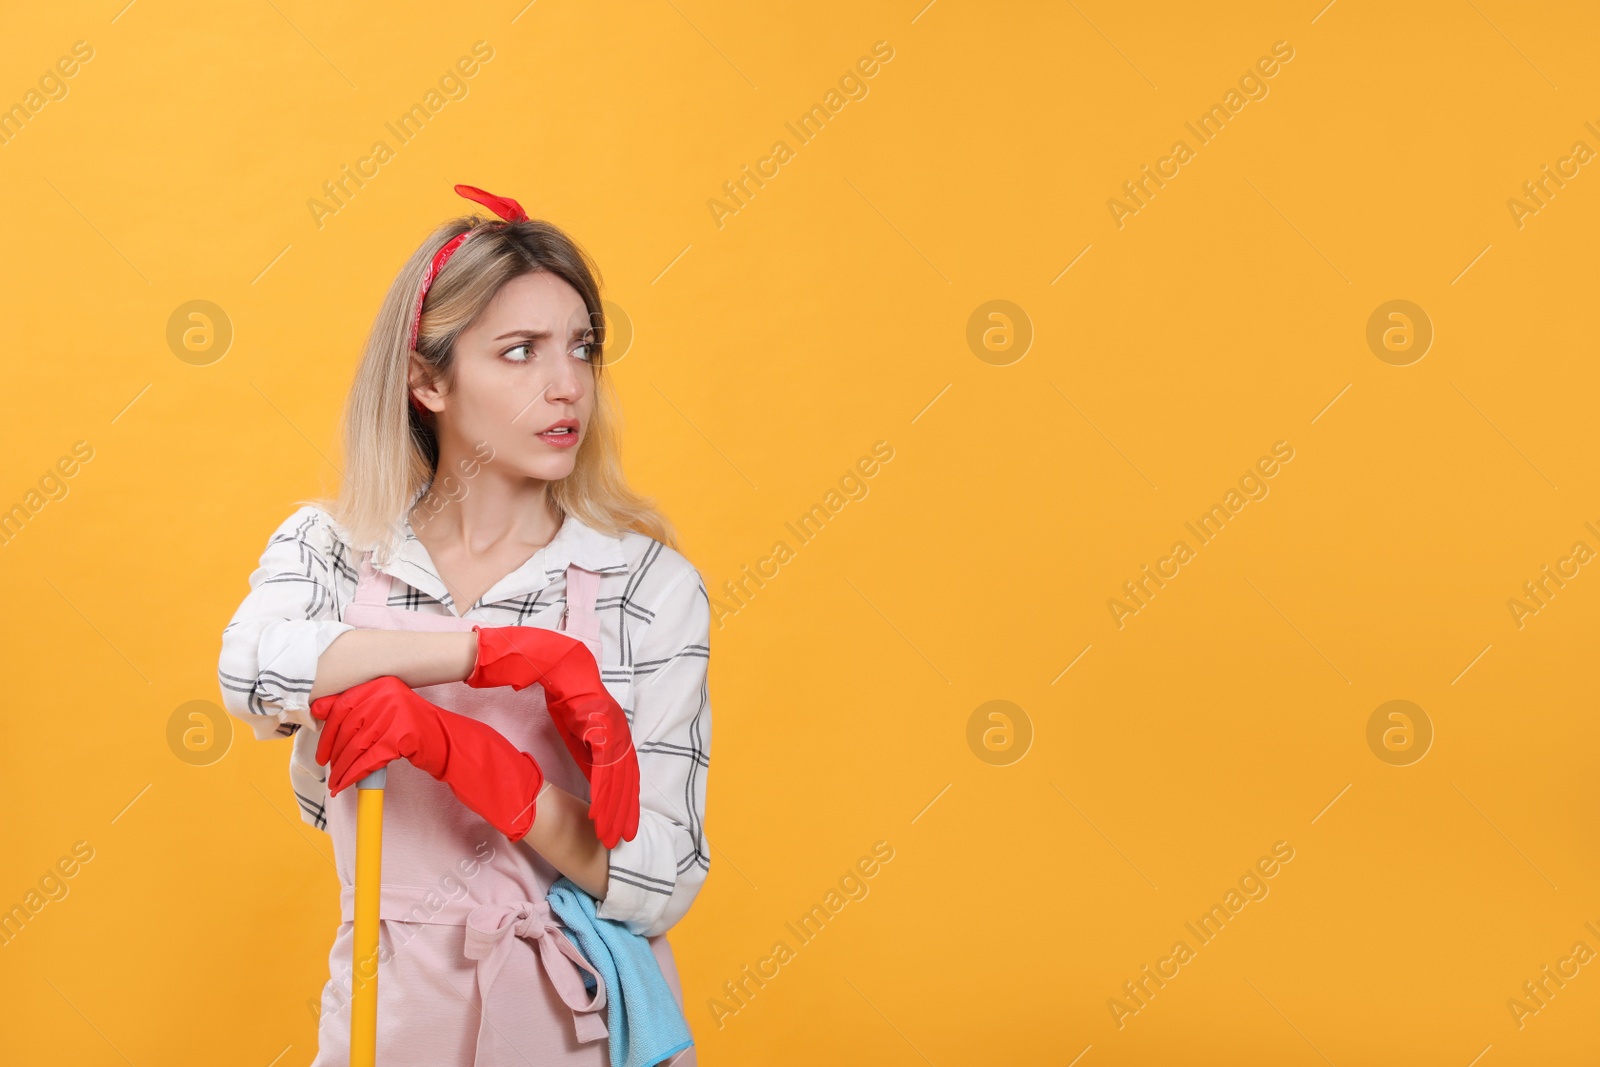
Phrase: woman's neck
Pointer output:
(476, 539)
(485, 515)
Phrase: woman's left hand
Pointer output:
(591, 723)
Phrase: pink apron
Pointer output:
(474, 969)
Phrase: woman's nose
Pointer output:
(565, 381)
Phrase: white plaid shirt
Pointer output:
(655, 622)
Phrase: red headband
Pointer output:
(505, 207)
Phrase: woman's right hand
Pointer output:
(369, 725)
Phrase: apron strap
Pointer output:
(580, 620)
(370, 608)
(373, 586)
(491, 930)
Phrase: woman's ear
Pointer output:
(421, 385)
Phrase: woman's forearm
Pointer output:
(417, 658)
(564, 835)
(562, 832)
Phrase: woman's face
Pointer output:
(522, 376)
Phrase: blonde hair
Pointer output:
(391, 450)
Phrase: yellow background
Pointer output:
(831, 312)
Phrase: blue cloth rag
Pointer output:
(644, 1022)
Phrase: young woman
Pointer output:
(484, 540)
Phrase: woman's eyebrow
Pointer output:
(539, 335)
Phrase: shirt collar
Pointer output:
(575, 542)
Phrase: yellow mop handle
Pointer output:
(369, 872)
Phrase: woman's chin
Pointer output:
(549, 468)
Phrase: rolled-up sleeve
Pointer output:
(270, 648)
(656, 876)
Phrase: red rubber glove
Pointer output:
(590, 721)
(368, 725)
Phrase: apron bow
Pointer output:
(490, 930)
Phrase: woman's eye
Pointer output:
(524, 348)
(587, 348)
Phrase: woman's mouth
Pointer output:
(563, 434)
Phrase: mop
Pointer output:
(364, 961)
